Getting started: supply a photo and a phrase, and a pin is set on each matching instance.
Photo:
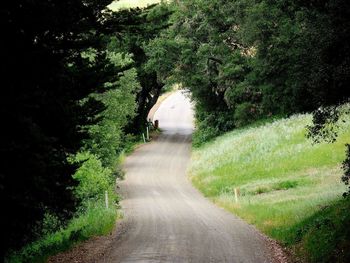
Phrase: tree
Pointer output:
(106, 135)
(201, 51)
(246, 60)
(132, 30)
(44, 76)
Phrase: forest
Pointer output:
(79, 80)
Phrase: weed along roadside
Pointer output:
(275, 178)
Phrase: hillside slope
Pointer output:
(289, 188)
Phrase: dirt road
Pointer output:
(166, 219)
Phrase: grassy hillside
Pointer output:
(289, 188)
(116, 5)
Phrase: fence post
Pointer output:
(236, 195)
(106, 199)
(143, 137)
(147, 132)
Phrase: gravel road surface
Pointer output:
(166, 219)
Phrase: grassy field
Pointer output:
(289, 188)
(121, 4)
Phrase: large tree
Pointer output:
(245, 60)
(132, 29)
(44, 75)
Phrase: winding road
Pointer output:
(166, 219)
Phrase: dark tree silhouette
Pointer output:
(43, 75)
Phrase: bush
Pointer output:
(93, 178)
(203, 134)
(210, 125)
(51, 223)
(245, 113)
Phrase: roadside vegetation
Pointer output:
(88, 77)
(97, 167)
(253, 68)
(80, 105)
(96, 220)
(289, 187)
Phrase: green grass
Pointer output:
(124, 4)
(324, 236)
(96, 221)
(284, 179)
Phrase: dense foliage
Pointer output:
(43, 77)
(248, 60)
(78, 81)
(132, 29)
(74, 85)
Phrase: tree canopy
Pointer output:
(79, 80)
(247, 60)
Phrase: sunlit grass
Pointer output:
(282, 176)
(122, 4)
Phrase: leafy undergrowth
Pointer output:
(92, 218)
(289, 188)
(97, 220)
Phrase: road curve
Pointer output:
(166, 219)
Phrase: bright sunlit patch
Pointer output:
(282, 177)
(122, 4)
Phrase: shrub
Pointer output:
(204, 134)
(93, 178)
(245, 113)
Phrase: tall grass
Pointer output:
(283, 177)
